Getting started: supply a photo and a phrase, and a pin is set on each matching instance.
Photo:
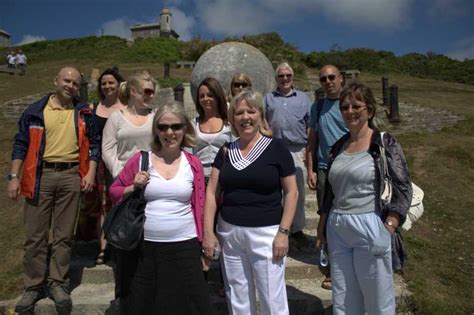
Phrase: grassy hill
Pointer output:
(441, 246)
(118, 50)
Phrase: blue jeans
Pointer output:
(361, 264)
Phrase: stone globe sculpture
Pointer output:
(224, 60)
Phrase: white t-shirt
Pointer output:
(11, 59)
(169, 217)
(21, 59)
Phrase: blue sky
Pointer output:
(401, 26)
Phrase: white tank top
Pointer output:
(168, 212)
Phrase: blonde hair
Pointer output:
(189, 139)
(283, 65)
(254, 100)
(242, 77)
(134, 81)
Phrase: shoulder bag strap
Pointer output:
(383, 156)
(145, 161)
(144, 167)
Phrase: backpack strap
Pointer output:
(319, 108)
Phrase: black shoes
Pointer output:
(59, 293)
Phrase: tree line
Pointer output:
(118, 50)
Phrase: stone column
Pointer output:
(394, 116)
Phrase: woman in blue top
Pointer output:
(356, 224)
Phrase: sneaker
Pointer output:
(26, 305)
(59, 293)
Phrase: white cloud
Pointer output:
(235, 17)
(176, 3)
(28, 39)
(182, 24)
(380, 14)
(463, 49)
(449, 8)
(230, 17)
(119, 27)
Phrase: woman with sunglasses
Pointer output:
(357, 226)
(239, 82)
(165, 271)
(126, 132)
(212, 127)
(129, 131)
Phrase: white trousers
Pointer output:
(361, 264)
(298, 154)
(248, 265)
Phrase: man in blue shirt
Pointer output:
(325, 128)
(287, 112)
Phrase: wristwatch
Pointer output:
(12, 176)
(284, 231)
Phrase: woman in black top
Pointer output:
(97, 203)
(249, 176)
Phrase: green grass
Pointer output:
(440, 270)
(440, 267)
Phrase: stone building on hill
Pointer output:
(4, 39)
(154, 30)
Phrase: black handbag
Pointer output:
(123, 226)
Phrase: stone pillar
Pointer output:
(394, 116)
(179, 93)
(83, 95)
(167, 71)
(95, 74)
(385, 91)
(344, 78)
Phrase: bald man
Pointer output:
(326, 126)
(54, 158)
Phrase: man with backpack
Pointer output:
(326, 126)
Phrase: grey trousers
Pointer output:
(298, 154)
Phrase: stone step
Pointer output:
(301, 264)
(305, 296)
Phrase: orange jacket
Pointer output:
(30, 143)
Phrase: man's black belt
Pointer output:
(60, 166)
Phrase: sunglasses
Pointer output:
(289, 75)
(165, 127)
(325, 78)
(355, 108)
(148, 92)
(240, 84)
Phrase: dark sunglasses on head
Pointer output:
(165, 127)
(148, 91)
(325, 78)
(281, 76)
(240, 84)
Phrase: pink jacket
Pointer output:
(130, 169)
